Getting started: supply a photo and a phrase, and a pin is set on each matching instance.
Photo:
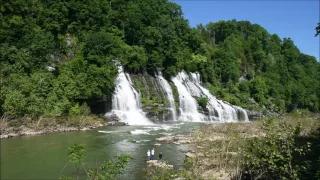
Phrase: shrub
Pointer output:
(275, 155)
(202, 101)
(107, 170)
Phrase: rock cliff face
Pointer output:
(144, 98)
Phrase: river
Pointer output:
(43, 157)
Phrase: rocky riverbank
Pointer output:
(26, 126)
(27, 131)
(211, 150)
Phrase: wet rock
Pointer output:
(183, 151)
(176, 143)
(157, 144)
(113, 118)
(184, 142)
(153, 116)
(86, 128)
(4, 136)
(165, 138)
(147, 108)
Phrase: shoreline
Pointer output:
(27, 126)
(26, 131)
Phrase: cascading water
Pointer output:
(216, 107)
(242, 114)
(188, 105)
(126, 101)
(218, 110)
(169, 94)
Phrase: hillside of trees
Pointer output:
(57, 55)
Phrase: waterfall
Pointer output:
(169, 94)
(218, 110)
(188, 105)
(126, 101)
(189, 87)
(242, 114)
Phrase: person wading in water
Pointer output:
(148, 153)
(152, 153)
(160, 155)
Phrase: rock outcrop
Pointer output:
(159, 164)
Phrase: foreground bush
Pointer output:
(277, 154)
(108, 170)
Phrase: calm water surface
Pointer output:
(43, 157)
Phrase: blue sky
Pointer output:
(294, 19)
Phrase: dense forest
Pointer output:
(58, 55)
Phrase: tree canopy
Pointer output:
(56, 55)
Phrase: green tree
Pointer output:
(318, 30)
(258, 90)
(107, 170)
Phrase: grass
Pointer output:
(3, 123)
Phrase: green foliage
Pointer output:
(107, 170)
(175, 93)
(318, 30)
(277, 154)
(76, 110)
(110, 169)
(258, 90)
(164, 173)
(15, 103)
(76, 153)
(239, 48)
(80, 40)
(202, 101)
(136, 58)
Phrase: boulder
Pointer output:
(165, 138)
(85, 129)
(191, 155)
(13, 135)
(191, 151)
(4, 136)
(160, 164)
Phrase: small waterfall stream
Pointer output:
(218, 110)
(126, 101)
(169, 94)
(188, 105)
